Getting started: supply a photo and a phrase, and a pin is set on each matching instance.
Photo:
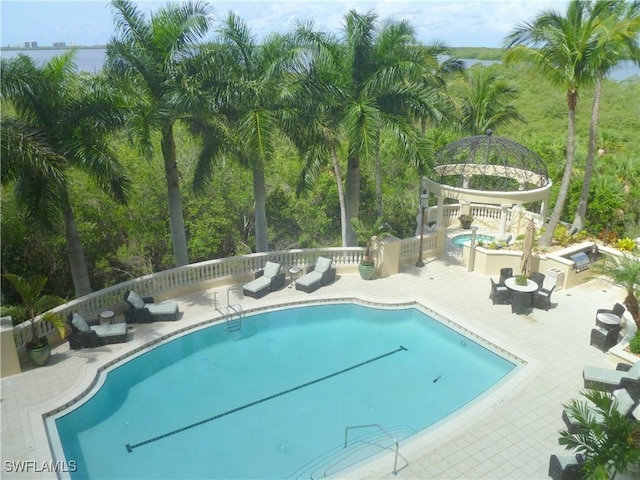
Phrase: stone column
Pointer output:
(9, 363)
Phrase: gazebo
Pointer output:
(473, 175)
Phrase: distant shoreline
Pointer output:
(67, 47)
(479, 53)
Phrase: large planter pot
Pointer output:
(465, 225)
(366, 271)
(39, 356)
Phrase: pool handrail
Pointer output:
(375, 425)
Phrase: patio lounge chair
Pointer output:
(319, 276)
(538, 277)
(85, 336)
(145, 310)
(505, 273)
(563, 467)
(266, 280)
(608, 379)
(542, 297)
(604, 338)
(499, 293)
(623, 403)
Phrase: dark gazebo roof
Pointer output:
(489, 163)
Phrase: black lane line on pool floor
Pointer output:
(130, 447)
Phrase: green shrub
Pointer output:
(562, 235)
(634, 344)
(626, 244)
(581, 236)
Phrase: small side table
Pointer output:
(107, 317)
(293, 272)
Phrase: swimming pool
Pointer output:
(458, 240)
(274, 402)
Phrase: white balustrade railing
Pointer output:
(165, 282)
(160, 283)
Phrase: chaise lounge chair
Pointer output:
(623, 403)
(267, 280)
(145, 310)
(85, 336)
(608, 379)
(321, 275)
(564, 467)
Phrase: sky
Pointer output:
(456, 23)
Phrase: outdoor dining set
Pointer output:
(521, 292)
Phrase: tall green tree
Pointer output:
(144, 58)
(376, 87)
(58, 120)
(486, 102)
(239, 114)
(561, 48)
(618, 31)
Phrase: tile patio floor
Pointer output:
(508, 434)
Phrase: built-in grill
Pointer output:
(581, 260)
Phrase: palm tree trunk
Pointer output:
(378, 175)
(176, 216)
(581, 211)
(547, 236)
(352, 197)
(341, 199)
(77, 262)
(260, 196)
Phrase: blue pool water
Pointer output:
(276, 399)
(458, 240)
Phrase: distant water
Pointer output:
(92, 60)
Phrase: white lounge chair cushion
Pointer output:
(603, 375)
(80, 323)
(110, 330)
(623, 401)
(634, 372)
(135, 300)
(323, 264)
(271, 269)
(162, 308)
(258, 284)
(636, 412)
(309, 279)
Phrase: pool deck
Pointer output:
(508, 433)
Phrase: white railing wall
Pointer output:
(162, 283)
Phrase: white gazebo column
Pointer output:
(503, 218)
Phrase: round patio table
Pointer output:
(521, 295)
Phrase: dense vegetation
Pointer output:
(125, 241)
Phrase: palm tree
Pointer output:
(485, 102)
(562, 49)
(61, 120)
(624, 271)
(144, 58)
(371, 88)
(618, 29)
(240, 113)
(606, 438)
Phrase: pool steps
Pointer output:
(360, 449)
(232, 313)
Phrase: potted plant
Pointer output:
(367, 236)
(521, 280)
(465, 220)
(35, 303)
